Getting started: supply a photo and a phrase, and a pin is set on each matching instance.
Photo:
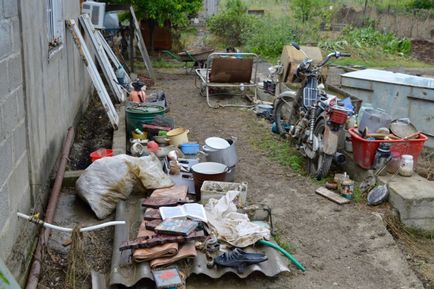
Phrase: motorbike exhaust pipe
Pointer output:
(340, 158)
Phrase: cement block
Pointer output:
(4, 205)
(414, 199)
(20, 140)
(15, 72)
(18, 182)
(5, 36)
(10, 113)
(4, 77)
(21, 113)
(5, 160)
(15, 34)
(356, 172)
(10, 8)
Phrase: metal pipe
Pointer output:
(35, 270)
(68, 230)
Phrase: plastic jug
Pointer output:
(362, 109)
(373, 119)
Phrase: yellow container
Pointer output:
(178, 136)
(143, 135)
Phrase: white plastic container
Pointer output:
(406, 168)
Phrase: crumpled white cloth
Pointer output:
(230, 226)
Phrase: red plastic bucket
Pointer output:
(101, 153)
(364, 150)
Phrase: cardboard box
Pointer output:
(292, 57)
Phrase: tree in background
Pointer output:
(158, 12)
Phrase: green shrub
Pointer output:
(422, 4)
(267, 36)
(231, 23)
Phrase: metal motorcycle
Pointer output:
(310, 117)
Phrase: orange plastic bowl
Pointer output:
(101, 153)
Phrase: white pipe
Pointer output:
(63, 229)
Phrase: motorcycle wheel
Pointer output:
(319, 167)
(283, 113)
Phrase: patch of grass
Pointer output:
(163, 63)
(357, 194)
(382, 62)
(287, 246)
(279, 150)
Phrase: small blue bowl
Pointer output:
(190, 148)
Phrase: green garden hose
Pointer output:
(285, 253)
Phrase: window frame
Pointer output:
(55, 26)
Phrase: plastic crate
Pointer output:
(364, 150)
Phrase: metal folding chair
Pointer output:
(229, 70)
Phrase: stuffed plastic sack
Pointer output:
(108, 180)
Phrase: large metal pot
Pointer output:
(226, 156)
(207, 171)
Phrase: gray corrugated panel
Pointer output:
(391, 77)
(99, 280)
(127, 273)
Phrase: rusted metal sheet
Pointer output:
(127, 273)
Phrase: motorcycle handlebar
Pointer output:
(335, 54)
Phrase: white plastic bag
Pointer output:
(231, 226)
(108, 180)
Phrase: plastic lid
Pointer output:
(407, 157)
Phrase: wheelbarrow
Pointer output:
(196, 56)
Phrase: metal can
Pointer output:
(347, 189)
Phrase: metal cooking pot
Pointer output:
(226, 156)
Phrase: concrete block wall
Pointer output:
(41, 95)
(14, 158)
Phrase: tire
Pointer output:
(320, 166)
(281, 115)
(284, 112)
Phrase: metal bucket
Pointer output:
(226, 156)
(207, 171)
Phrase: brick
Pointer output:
(4, 206)
(16, 34)
(10, 113)
(15, 72)
(10, 8)
(5, 36)
(18, 183)
(4, 78)
(19, 141)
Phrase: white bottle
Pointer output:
(406, 166)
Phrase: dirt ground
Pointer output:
(341, 246)
(93, 132)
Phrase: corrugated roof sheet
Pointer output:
(126, 272)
